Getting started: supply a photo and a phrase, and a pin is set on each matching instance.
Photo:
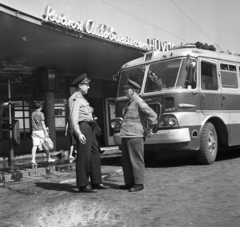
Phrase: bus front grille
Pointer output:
(158, 110)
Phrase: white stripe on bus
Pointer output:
(193, 118)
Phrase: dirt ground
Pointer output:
(178, 192)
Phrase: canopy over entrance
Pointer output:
(27, 43)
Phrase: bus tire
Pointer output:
(208, 145)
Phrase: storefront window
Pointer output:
(21, 111)
(60, 114)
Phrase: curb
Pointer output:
(110, 156)
(38, 155)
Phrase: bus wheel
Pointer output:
(208, 145)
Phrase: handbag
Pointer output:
(48, 144)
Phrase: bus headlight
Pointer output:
(113, 124)
(168, 121)
(172, 121)
(116, 124)
(163, 122)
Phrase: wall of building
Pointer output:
(23, 95)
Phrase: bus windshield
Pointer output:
(162, 75)
(135, 74)
(170, 74)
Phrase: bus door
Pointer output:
(109, 113)
(211, 94)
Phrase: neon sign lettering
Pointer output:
(103, 31)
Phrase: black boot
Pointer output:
(136, 188)
(126, 186)
(100, 186)
(87, 189)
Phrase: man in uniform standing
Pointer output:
(81, 120)
(132, 133)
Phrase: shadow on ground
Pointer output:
(66, 187)
(57, 186)
(190, 159)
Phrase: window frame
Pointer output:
(200, 75)
(222, 71)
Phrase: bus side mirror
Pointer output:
(195, 77)
(192, 64)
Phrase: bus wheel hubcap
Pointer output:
(211, 142)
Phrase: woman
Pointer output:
(69, 132)
(39, 132)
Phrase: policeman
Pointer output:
(81, 120)
(132, 133)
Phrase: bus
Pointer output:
(196, 94)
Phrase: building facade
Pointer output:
(45, 56)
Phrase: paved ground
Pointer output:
(178, 192)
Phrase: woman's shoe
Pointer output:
(71, 160)
(34, 164)
(51, 160)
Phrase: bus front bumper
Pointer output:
(163, 137)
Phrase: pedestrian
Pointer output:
(133, 134)
(81, 120)
(69, 132)
(39, 133)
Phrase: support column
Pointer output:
(50, 116)
(48, 79)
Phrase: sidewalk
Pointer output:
(22, 167)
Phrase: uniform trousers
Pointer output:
(88, 159)
(133, 160)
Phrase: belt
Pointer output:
(90, 123)
(131, 120)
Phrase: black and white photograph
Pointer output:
(119, 113)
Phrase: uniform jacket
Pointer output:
(79, 110)
(136, 110)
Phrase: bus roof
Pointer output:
(154, 56)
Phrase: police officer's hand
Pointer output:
(148, 132)
(82, 138)
(151, 133)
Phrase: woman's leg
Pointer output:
(34, 150)
(48, 156)
(72, 142)
(71, 152)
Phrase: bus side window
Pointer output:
(209, 79)
(203, 82)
